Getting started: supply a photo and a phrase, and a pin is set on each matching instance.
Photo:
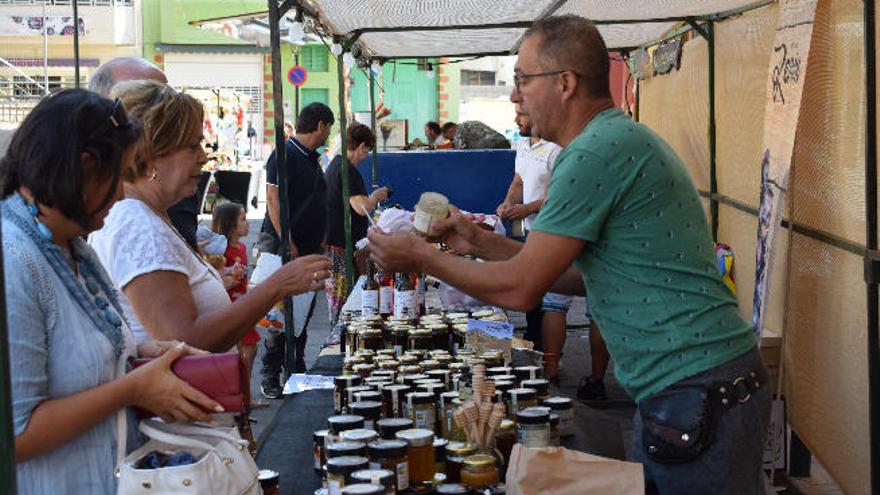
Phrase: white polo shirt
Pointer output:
(534, 164)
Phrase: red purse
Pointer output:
(219, 376)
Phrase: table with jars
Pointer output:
(418, 412)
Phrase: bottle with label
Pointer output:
(386, 293)
(405, 296)
(370, 292)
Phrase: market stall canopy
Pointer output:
(403, 28)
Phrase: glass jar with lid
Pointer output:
(505, 438)
(412, 379)
(409, 360)
(393, 399)
(319, 439)
(361, 435)
(350, 391)
(440, 454)
(533, 428)
(389, 427)
(440, 335)
(391, 455)
(343, 422)
(364, 370)
(343, 448)
(400, 340)
(340, 469)
(442, 375)
(367, 396)
(455, 454)
(341, 383)
(421, 409)
(371, 411)
(541, 386)
(479, 471)
(452, 489)
(528, 372)
(420, 340)
(420, 453)
(429, 364)
(519, 399)
(358, 488)
(444, 412)
(564, 407)
(376, 477)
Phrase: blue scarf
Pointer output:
(14, 209)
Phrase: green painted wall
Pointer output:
(167, 21)
(408, 94)
(315, 80)
(453, 89)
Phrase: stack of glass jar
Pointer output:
(394, 404)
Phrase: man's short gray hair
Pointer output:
(107, 76)
(570, 42)
(102, 80)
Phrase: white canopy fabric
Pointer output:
(391, 28)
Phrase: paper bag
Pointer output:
(560, 471)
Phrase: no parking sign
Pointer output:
(297, 75)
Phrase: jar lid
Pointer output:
(537, 384)
(462, 449)
(452, 489)
(363, 489)
(557, 403)
(430, 363)
(420, 398)
(361, 435)
(320, 436)
(347, 464)
(482, 313)
(554, 419)
(499, 370)
(402, 330)
(503, 385)
(345, 381)
(384, 477)
(410, 369)
(532, 416)
(417, 437)
(410, 379)
(389, 389)
(386, 352)
(366, 408)
(390, 426)
(267, 475)
(448, 396)
(359, 388)
(456, 316)
(342, 449)
(345, 422)
(371, 333)
(522, 393)
(363, 367)
(438, 374)
(479, 460)
(527, 372)
(368, 396)
(387, 449)
(507, 425)
(440, 445)
(420, 332)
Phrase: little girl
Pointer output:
(230, 220)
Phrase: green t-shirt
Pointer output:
(649, 260)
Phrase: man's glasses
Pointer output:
(519, 77)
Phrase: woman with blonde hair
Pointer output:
(168, 290)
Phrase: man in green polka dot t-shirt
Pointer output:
(622, 208)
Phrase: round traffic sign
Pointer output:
(297, 75)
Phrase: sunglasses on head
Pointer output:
(118, 118)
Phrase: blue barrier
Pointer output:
(473, 180)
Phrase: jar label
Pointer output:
(402, 476)
(337, 401)
(370, 302)
(405, 303)
(386, 299)
(334, 487)
(422, 221)
(424, 418)
(538, 437)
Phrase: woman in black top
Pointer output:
(359, 140)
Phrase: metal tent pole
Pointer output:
(375, 131)
(7, 439)
(281, 165)
(713, 137)
(872, 257)
(75, 43)
(343, 155)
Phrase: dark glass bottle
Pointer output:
(405, 296)
(370, 292)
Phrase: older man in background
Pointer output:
(185, 214)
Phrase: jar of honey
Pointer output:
(519, 399)
(343, 449)
(340, 469)
(389, 427)
(479, 471)
(344, 422)
(421, 409)
(505, 438)
(540, 385)
(371, 412)
(393, 397)
(455, 454)
(341, 383)
(376, 477)
(391, 455)
(420, 453)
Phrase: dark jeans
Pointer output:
(274, 344)
(731, 465)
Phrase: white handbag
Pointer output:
(224, 466)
